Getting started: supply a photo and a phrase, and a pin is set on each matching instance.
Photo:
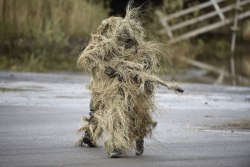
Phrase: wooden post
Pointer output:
(233, 42)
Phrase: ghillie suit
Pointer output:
(121, 63)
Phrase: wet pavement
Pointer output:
(39, 115)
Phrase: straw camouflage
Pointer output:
(121, 63)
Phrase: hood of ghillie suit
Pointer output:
(121, 38)
(121, 63)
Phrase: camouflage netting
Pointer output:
(121, 63)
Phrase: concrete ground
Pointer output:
(39, 114)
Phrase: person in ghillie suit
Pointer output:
(121, 63)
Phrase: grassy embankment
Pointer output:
(42, 35)
(45, 35)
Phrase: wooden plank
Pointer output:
(190, 10)
(218, 10)
(213, 69)
(233, 43)
(167, 28)
(207, 28)
(204, 66)
(205, 16)
(165, 25)
(198, 19)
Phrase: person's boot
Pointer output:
(87, 140)
(116, 153)
(139, 147)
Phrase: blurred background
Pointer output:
(48, 35)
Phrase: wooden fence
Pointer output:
(218, 11)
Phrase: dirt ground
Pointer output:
(208, 125)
